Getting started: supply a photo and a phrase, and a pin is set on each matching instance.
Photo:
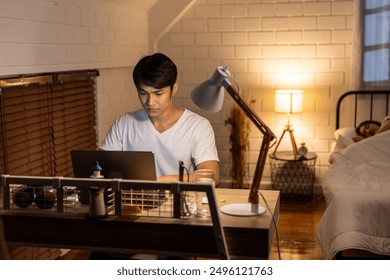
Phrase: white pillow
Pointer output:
(345, 131)
(344, 137)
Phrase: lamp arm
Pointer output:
(257, 176)
(247, 110)
(268, 136)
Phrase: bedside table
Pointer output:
(293, 175)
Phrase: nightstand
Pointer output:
(293, 175)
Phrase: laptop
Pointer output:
(132, 165)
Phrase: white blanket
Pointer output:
(357, 192)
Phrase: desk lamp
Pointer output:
(288, 101)
(209, 96)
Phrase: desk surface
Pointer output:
(246, 237)
(249, 237)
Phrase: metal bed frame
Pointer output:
(364, 104)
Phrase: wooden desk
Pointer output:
(247, 237)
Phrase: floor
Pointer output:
(296, 228)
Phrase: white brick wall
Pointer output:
(47, 35)
(266, 44)
(269, 45)
(117, 95)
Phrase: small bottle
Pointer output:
(97, 209)
(302, 151)
(96, 169)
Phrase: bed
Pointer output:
(356, 186)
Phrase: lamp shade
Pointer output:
(288, 101)
(209, 95)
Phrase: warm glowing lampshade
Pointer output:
(288, 101)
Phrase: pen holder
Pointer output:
(97, 207)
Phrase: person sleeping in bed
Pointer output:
(370, 128)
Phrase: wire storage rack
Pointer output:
(163, 206)
(121, 197)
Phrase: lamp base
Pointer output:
(243, 209)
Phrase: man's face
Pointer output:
(156, 101)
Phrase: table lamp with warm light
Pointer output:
(288, 101)
(209, 96)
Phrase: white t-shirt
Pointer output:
(190, 140)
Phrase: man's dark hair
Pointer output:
(156, 70)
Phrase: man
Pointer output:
(173, 134)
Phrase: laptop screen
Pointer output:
(132, 165)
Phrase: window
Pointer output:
(44, 117)
(376, 43)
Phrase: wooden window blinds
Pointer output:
(42, 119)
